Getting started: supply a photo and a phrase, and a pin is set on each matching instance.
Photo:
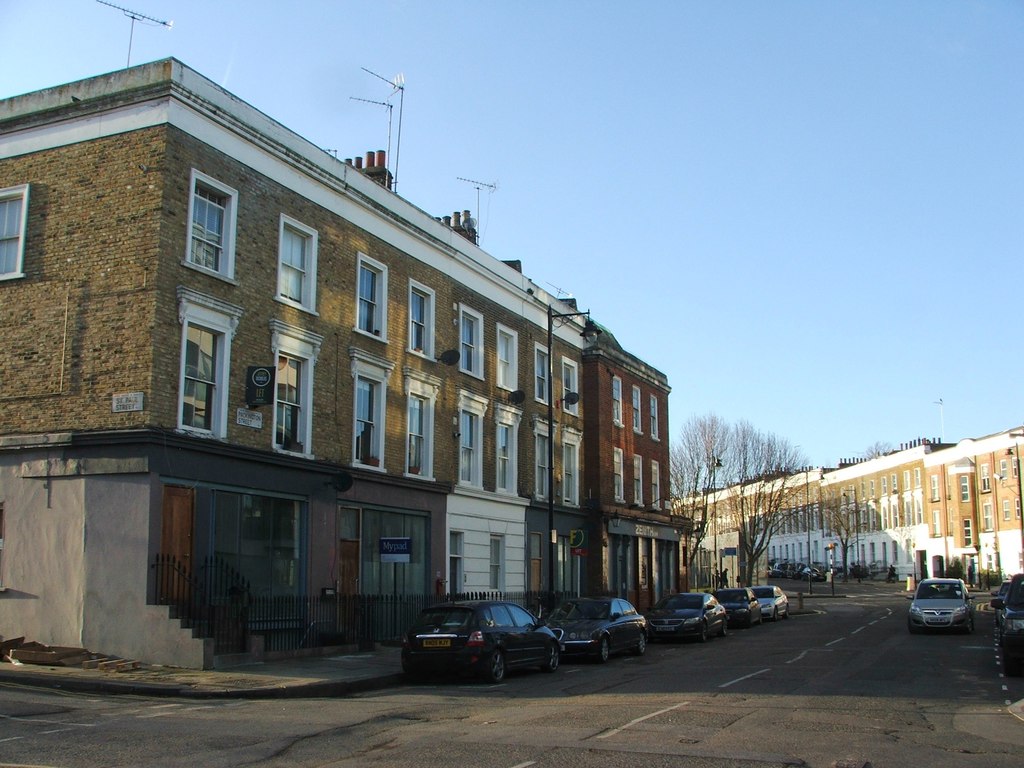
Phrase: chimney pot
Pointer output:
(381, 162)
(369, 159)
(447, 221)
(457, 219)
(359, 162)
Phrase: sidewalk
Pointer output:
(339, 675)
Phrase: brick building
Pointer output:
(224, 346)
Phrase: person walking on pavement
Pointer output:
(970, 574)
(890, 577)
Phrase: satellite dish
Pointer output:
(517, 397)
(572, 398)
(469, 223)
(449, 357)
(341, 482)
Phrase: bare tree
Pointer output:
(764, 470)
(694, 473)
(876, 449)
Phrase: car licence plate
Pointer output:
(437, 642)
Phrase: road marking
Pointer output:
(43, 721)
(631, 723)
(802, 654)
(858, 629)
(837, 640)
(524, 765)
(745, 677)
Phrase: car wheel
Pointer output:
(724, 630)
(551, 663)
(775, 615)
(495, 672)
(604, 650)
(1011, 666)
(702, 635)
(641, 645)
(912, 629)
(786, 614)
(969, 626)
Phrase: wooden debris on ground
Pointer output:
(16, 651)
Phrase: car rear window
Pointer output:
(764, 592)
(731, 594)
(446, 618)
(681, 601)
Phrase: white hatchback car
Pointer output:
(941, 604)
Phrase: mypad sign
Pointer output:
(395, 550)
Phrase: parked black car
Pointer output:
(687, 614)
(1011, 634)
(742, 606)
(598, 627)
(478, 637)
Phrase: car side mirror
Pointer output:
(616, 616)
(998, 603)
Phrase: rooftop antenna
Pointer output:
(942, 419)
(398, 86)
(135, 16)
(479, 185)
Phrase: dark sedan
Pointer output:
(478, 637)
(688, 614)
(598, 627)
(742, 606)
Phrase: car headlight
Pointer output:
(961, 611)
(915, 610)
(691, 621)
(1014, 625)
(742, 610)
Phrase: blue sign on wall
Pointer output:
(395, 549)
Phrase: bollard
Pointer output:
(800, 600)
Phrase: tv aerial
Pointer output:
(398, 86)
(136, 16)
(492, 188)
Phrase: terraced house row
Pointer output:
(928, 509)
(241, 373)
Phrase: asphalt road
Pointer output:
(845, 685)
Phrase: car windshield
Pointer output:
(939, 591)
(446, 617)
(764, 592)
(731, 595)
(580, 609)
(676, 602)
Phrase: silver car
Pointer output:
(774, 602)
(941, 604)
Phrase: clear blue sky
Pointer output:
(807, 214)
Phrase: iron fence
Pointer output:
(216, 602)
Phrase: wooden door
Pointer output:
(348, 567)
(176, 539)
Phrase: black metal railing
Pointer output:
(217, 603)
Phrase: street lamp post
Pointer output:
(1020, 489)
(807, 520)
(715, 577)
(590, 332)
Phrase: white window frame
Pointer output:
(472, 409)
(617, 401)
(934, 480)
(375, 371)
(429, 304)
(986, 479)
(506, 419)
(571, 441)
(638, 426)
(1006, 509)
(220, 318)
(507, 358)
(16, 234)
(638, 480)
(655, 431)
(425, 388)
(471, 351)
(541, 435)
(496, 562)
(306, 273)
(655, 484)
(304, 346)
(618, 488)
(378, 316)
(226, 267)
(541, 385)
(570, 385)
(456, 561)
(987, 516)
